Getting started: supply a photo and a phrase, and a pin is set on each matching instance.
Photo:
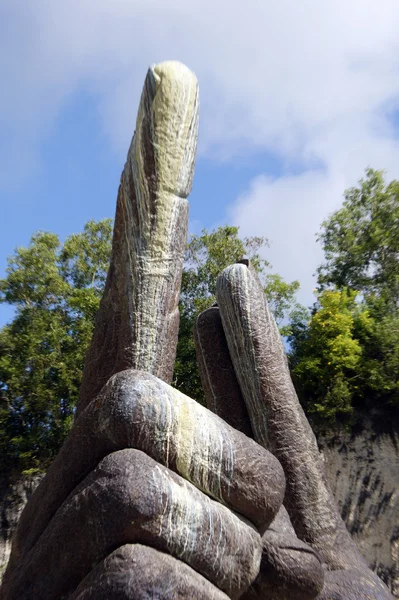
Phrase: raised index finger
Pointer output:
(138, 319)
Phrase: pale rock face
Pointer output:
(363, 472)
(14, 494)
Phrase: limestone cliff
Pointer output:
(14, 494)
(363, 471)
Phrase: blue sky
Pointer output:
(296, 100)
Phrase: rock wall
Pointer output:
(14, 494)
(363, 471)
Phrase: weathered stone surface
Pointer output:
(362, 468)
(353, 584)
(129, 498)
(136, 572)
(277, 418)
(278, 422)
(138, 320)
(14, 494)
(218, 378)
(137, 410)
(290, 569)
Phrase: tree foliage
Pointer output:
(361, 240)
(206, 256)
(56, 292)
(379, 368)
(345, 355)
(325, 354)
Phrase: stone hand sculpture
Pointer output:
(153, 495)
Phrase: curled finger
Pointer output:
(290, 569)
(129, 498)
(137, 572)
(137, 410)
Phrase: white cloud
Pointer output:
(272, 74)
(289, 210)
(313, 82)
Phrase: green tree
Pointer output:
(379, 368)
(282, 302)
(361, 245)
(56, 292)
(325, 355)
(361, 240)
(361, 270)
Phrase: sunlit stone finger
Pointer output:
(138, 320)
(290, 569)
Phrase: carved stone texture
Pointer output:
(276, 416)
(145, 503)
(290, 569)
(279, 423)
(152, 437)
(219, 382)
(137, 323)
(143, 573)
